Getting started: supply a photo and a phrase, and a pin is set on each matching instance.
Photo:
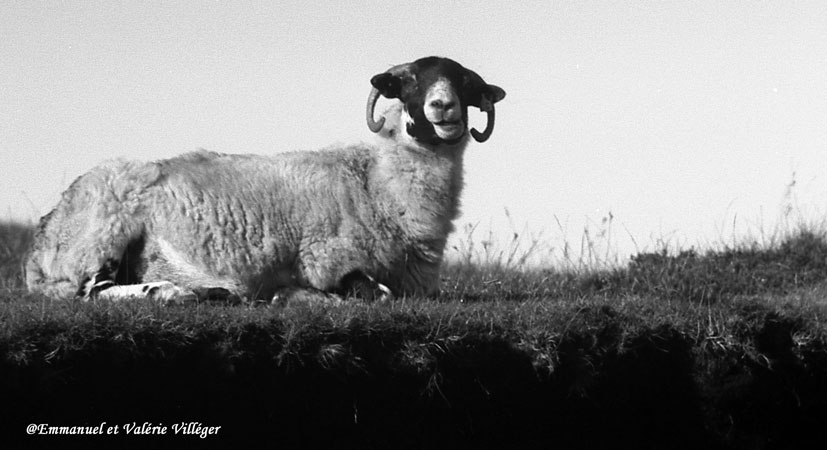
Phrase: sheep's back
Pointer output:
(243, 214)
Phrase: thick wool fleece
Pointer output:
(256, 224)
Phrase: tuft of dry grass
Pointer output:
(15, 239)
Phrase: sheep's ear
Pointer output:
(388, 85)
(480, 94)
(493, 93)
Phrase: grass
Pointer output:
(715, 349)
(14, 242)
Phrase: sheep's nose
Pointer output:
(443, 104)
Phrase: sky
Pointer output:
(628, 125)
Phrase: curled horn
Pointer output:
(373, 97)
(487, 106)
(374, 125)
(488, 95)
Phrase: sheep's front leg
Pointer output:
(167, 293)
(101, 285)
(162, 291)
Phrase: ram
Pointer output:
(367, 217)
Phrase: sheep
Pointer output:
(367, 217)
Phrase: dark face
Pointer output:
(436, 93)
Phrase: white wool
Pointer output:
(256, 224)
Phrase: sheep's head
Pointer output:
(436, 93)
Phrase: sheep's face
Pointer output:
(435, 93)
(443, 111)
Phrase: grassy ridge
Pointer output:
(718, 350)
(798, 261)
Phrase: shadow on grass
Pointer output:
(353, 387)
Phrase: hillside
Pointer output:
(723, 349)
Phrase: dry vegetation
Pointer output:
(689, 349)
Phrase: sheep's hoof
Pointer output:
(283, 296)
(216, 294)
(167, 293)
(385, 293)
(91, 291)
(363, 286)
(292, 297)
(92, 286)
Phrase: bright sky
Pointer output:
(686, 120)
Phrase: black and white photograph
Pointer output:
(413, 225)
